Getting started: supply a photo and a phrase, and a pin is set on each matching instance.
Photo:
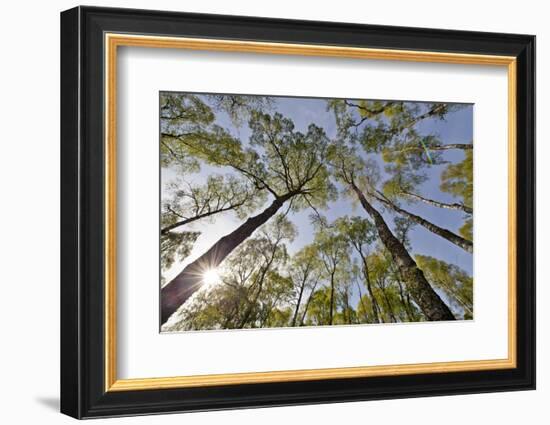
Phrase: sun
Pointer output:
(211, 277)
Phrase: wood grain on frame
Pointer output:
(113, 41)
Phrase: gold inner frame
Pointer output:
(113, 41)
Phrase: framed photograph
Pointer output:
(261, 212)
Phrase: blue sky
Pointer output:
(456, 128)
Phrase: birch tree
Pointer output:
(348, 168)
(286, 164)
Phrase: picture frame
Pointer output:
(90, 40)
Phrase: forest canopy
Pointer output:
(286, 211)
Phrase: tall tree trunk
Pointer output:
(252, 303)
(463, 146)
(361, 302)
(430, 113)
(185, 221)
(229, 318)
(423, 294)
(260, 284)
(448, 146)
(348, 308)
(406, 305)
(366, 274)
(454, 206)
(388, 303)
(307, 304)
(299, 301)
(464, 302)
(331, 316)
(189, 280)
(465, 244)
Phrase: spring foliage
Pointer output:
(355, 268)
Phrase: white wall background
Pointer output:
(29, 217)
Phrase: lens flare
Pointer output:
(211, 277)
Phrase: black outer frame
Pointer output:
(82, 212)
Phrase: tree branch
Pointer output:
(453, 206)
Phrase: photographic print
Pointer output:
(294, 199)
(281, 212)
